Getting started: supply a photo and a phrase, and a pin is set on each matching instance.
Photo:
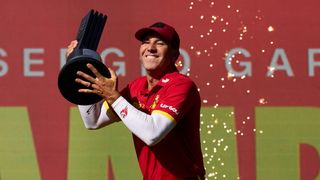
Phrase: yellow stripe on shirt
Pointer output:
(167, 115)
(106, 105)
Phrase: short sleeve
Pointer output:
(178, 99)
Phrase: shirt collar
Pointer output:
(166, 79)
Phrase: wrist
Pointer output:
(112, 97)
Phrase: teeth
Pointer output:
(151, 56)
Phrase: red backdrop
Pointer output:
(281, 32)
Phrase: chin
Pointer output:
(150, 67)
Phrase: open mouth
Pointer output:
(151, 55)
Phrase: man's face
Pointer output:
(155, 54)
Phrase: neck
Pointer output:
(154, 77)
(152, 82)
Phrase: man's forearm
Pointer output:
(149, 128)
(95, 116)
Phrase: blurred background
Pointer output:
(256, 63)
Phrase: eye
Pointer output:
(161, 43)
(145, 42)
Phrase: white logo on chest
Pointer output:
(165, 80)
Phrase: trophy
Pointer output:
(88, 37)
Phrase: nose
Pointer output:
(152, 47)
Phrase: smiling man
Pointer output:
(161, 109)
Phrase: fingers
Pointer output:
(71, 47)
(85, 76)
(95, 91)
(112, 73)
(88, 77)
(114, 78)
(84, 83)
(74, 43)
(90, 87)
(94, 71)
(97, 83)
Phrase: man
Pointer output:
(161, 109)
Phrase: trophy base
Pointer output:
(77, 61)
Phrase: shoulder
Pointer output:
(179, 83)
(181, 79)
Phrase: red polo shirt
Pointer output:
(178, 155)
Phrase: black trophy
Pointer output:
(88, 38)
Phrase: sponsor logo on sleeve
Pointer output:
(171, 108)
(91, 108)
(124, 112)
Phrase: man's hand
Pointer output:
(71, 47)
(102, 86)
